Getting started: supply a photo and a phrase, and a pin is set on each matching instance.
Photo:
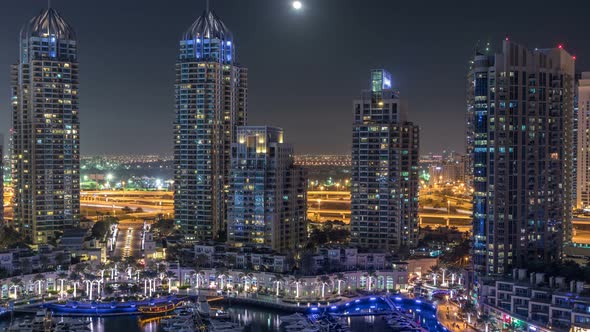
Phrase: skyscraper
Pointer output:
(267, 205)
(583, 136)
(523, 119)
(211, 102)
(46, 141)
(384, 169)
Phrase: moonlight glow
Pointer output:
(297, 5)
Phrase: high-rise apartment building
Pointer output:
(46, 138)
(267, 204)
(523, 119)
(211, 102)
(384, 169)
(583, 142)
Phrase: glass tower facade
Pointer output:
(210, 103)
(384, 169)
(522, 156)
(583, 141)
(267, 205)
(46, 137)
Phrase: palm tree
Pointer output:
(443, 269)
(468, 309)
(453, 270)
(101, 267)
(62, 276)
(241, 277)
(297, 282)
(16, 283)
(39, 278)
(250, 277)
(324, 281)
(278, 280)
(43, 260)
(149, 276)
(80, 267)
(89, 280)
(339, 279)
(434, 271)
(221, 274)
(114, 267)
(200, 277)
(487, 320)
(75, 279)
(371, 275)
(62, 258)
(169, 276)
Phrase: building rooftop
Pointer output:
(208, 26)
(49, 23)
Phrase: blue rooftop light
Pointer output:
(373, 298)
(398, 298)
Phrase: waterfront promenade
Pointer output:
(448, 315)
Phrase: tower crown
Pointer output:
(49, 23)
(208, 26)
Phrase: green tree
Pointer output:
(468, 309)
(43, 260)
(63, 259)
(488, 321)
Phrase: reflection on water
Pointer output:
(368, 324)
(253, 320)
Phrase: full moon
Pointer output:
(297, 5)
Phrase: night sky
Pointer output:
(305, 68)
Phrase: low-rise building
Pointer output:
(244, 257)
(339, 258)
(535, 302)
(304, 287)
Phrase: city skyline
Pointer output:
(109, 118)
(489, 233)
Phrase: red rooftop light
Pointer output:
(560, 46)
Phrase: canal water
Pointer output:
(253, 319)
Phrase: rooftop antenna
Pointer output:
(206, 5)
(49, 4)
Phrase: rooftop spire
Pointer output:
(48, 22)
(206, 5)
